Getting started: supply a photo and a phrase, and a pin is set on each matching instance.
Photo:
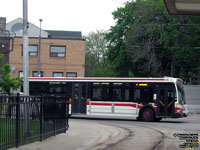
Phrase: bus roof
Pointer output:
(102, 79)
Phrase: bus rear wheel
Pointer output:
(147, 115)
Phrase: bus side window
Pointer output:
(136, 95)
(100, 92)
(143, 95)
(97, 94)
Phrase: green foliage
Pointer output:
(147, 41)
(6, 82)
(1, 57)
(117, 50)
(104, 72)
(96, 47)
(130, 74)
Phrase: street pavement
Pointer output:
(81, 135)
(119, 134)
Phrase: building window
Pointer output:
(57, 51)
(21, 74)
(71, 74)
(57, 74)
(35, 74)
(33, 50)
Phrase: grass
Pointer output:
(8, 132)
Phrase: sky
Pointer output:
(69, 15)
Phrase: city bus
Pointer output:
(147, 99)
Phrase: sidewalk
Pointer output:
(81, 135)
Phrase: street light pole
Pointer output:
(39, 49)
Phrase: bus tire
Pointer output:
(147, 115)
(138, 118)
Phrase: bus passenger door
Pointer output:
(165, 100)
(79, 98)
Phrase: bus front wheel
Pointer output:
(147, 115)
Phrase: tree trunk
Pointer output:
(173, 62)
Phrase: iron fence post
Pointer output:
(18, 120)
(67, 117)
(55, 106)
(55, 98)
(41, 118)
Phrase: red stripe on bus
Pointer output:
(110, 104)
(99, 104)
(131, 105)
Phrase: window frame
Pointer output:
(143, 94)
(50, 53)
(107, 91)
(57, 72)
(32, 51)
(75, 73)
(20, 73)
(41, 73)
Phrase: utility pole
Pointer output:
(25, 49)
(39, 50)
(25, 67)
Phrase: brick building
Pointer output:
(62, 52)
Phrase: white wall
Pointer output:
(192, 94)
(33, 31)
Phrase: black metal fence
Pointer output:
(27, 119)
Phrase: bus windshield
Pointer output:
(181, 94)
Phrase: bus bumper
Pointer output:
(180, 115)
(181, 111)
(186, 111)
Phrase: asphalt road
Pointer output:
(123, 134)
(157, 135)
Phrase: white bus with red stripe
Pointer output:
(148, 99)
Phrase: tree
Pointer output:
(147, 41)
(117, 53)
(96, 47)
(6, 82)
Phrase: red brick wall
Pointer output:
(73, 62)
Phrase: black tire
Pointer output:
(138, 119)
(158, 119)
(147, 115)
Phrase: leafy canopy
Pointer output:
(147, 41)
(6, 82)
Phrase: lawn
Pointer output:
(8, 132)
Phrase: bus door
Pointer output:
(165, 100)
(79, 98)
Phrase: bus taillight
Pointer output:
(178, 110)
